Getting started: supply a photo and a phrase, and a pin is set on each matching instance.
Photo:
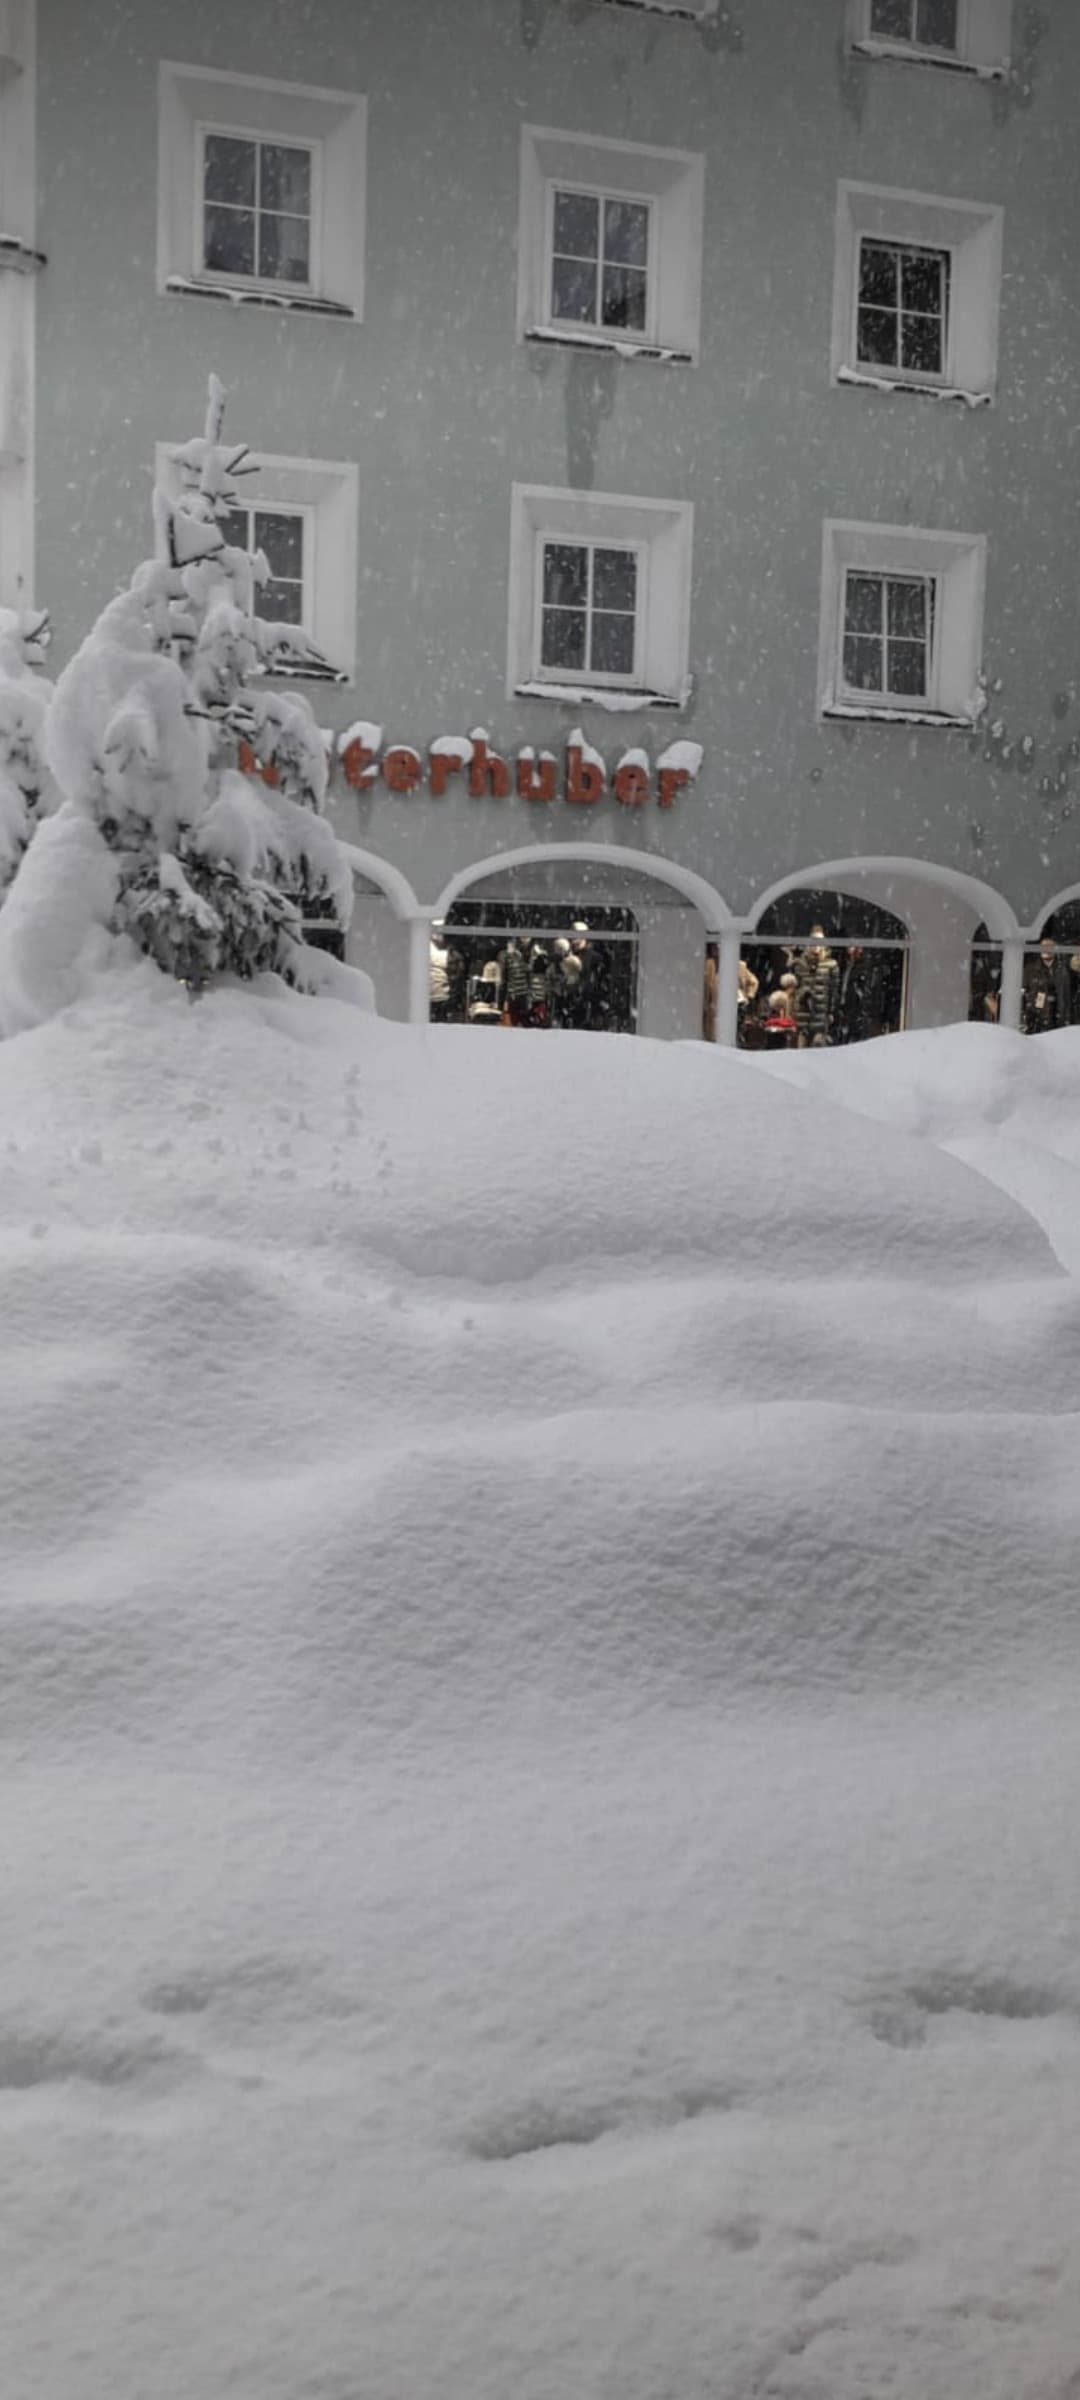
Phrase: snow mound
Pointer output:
(533, 1576)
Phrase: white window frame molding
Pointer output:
(671, 182)
(972, 232)
(326, 493)
(587, 676)
(194, 101)
(957, 564)
(661, 532)
(19, 260)
(983, 40)
(312, 282)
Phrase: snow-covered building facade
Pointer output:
(666, 418)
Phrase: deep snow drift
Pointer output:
(539, 1714)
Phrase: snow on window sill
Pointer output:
(884, 715)
(674, 8)
(566, 337)
(618, 702)
(861, 377)
(301, 670)
(299, 303)
(910, 56)
(19, 256)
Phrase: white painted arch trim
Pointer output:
(694, 888)
(993, 911)
(1060, 900)
(390, 880)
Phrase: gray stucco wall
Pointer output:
(442, 409)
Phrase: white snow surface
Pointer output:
(539, 1713)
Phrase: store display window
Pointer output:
(1050, 995)
(822, 969)
(538, 965)
(984, 1002)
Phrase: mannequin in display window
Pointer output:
(817, 978)
(445, 973)
(781, 1028)
(1047, 994)
(564, 976)
(517, 979)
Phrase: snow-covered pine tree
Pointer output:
(25, 784)
(216, 872)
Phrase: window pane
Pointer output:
(284, 248)
(573, 292)
(862, 662)
(624, 298)
(285, 180)
(891, 20)
(907, 669)
(229, 241)
(236, 527)
(922, 349)
(563, 638)
(281, 602)
(577, 225)
(907, 608)
(626, 233)
(614, 579)
(921, 281)
(862, 604)
(878, 337)
(229, 170)
(566, 575)
(877, 275)
(612, 645)
(936, 23)
(282, 538)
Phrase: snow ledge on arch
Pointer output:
(897, 716)
(695, 12)
(922, 391)
(617, 703)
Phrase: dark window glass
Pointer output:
(891, 20)
(285, 180)
(284, 249)
(907, 608)
(229, 242)
(863, 604)
(282, 539)
(624, 298)
(863, 662)
(236, 527)
(577, 225)
(877, 275)
(626, 233)
(907, 670)
(563, 638)
(612, 645)
(936, 24)
(614, 579)
(573, 291)
(229, 173)
(922, 345)
(566, 575)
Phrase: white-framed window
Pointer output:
(591, 609)
(257, 201)
(285, 537)
(261, 190)
(610, 245)
(916, 295)
(599, 596)
(302, 514)
(972, 35)
(901, 623)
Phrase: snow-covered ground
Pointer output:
(540, 1682)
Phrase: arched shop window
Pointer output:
(822, 969)
(1051, 988)
(984, 1001)
(538, 964)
